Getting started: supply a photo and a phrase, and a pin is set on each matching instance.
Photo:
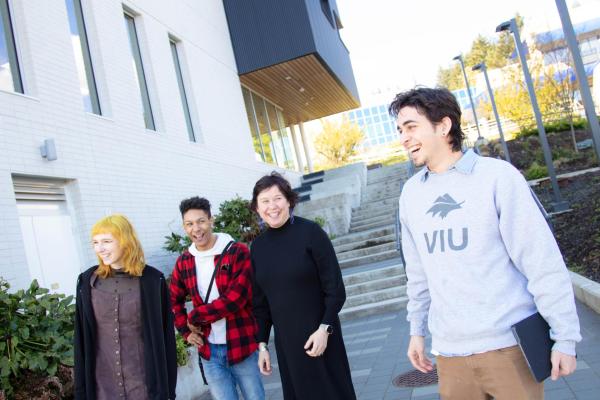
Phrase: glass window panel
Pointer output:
(263, 128)
(280, 155)
(10, 76)
(351, 115)
(182, 94)
(381, 140)
(373, 110)
(359, 113)
(256, 144)
(382, 110)
(376, 118)
(288, 143)
(83, 60)
(369, 120)
(387, 128)
(367, 112)
(138, 68)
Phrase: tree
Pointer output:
(495, 52)
(512, 99)
(337, 142)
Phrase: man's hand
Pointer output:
(194, 328)
(264, 362)
(318, 341)
(195, 339)
(562, 364)
(416, 354)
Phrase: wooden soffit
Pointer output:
(304, 88)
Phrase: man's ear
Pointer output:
(446, 125)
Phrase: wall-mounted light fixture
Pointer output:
(48, 150)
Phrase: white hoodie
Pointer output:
(205, 266)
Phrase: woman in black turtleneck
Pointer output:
(299, 291)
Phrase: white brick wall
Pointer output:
(115, 163)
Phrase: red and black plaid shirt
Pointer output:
(234, 281)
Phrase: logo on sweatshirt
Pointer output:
(443, 205)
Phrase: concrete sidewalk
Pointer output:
(377, 352)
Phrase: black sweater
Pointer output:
(160, 360)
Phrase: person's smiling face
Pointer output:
(273, 207)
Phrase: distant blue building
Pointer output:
(377, 124)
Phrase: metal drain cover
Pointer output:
(416, 378)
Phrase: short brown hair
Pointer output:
(268, 181)
(434, 104)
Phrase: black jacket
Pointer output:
(158, 332)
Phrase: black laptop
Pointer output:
(533, 337)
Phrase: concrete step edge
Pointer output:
(373, 308)
(384, 255)
(374, 285)
(376, 296)
(347, 255)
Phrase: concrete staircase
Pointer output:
(373, 273)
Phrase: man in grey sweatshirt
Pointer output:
(479, 258)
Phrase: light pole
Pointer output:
(462, 66)
(511, 26)
(481, 67)
(584, 88)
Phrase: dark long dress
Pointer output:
(298, 286)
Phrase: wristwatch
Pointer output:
(326, 328)
(263, 347)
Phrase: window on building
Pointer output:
(83, 60)
(182, 92)
(288, 146)
(367, 112)
(10, 75)
(256, 142)
(359, 114)
(138, 68)
(382, 110)
(276, 135)
(271, 137)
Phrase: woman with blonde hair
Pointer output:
(124, 335)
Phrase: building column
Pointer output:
(305, 144)
(297, 149)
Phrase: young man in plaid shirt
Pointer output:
(224, 327)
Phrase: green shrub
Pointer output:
(36, 331)
(181, 346)
(176, 243)
(321, 221)
(562, 125)
(236, 219)
(536, 171)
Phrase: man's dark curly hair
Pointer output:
(434, 104)
(195, 203)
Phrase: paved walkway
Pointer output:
(377, 352)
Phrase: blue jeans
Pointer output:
(223, 378)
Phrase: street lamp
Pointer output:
(511, 26)
(462, 66)
(584, 87)
(481, 67)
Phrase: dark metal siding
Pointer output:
(268, 32)
(329, 45)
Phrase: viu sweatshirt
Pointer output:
(480, 257)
